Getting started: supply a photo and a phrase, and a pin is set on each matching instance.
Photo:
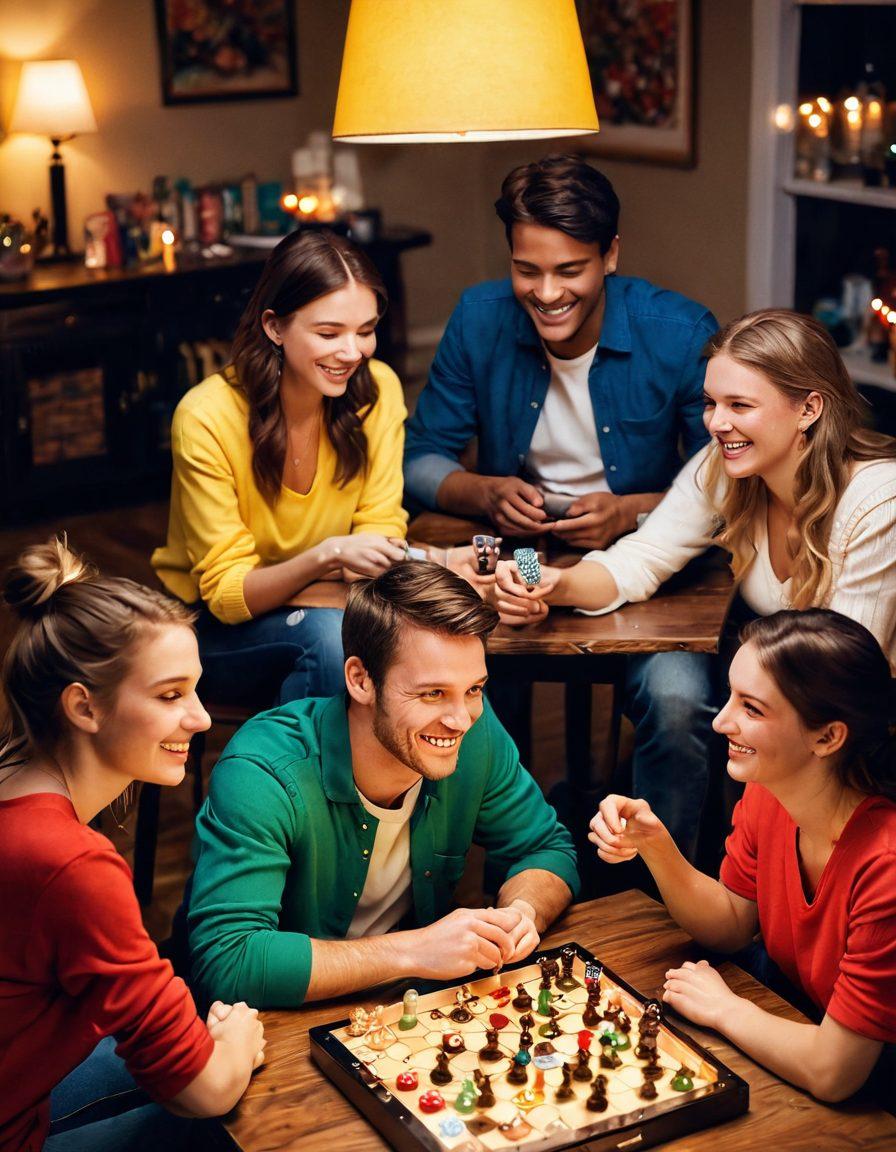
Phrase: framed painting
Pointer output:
(226, 49)
(641, 59)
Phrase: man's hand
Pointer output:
(699, 992)
(464, 940)
(525, 935)
(517, 602)
(596, 520)
(513, 506)
(623, 827)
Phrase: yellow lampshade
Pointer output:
(426, 70)
(52, 100)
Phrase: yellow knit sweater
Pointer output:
(220, 526)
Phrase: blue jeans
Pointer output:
(287, 654)
(99, 1108)
(670, 699)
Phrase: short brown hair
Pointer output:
(417, 593)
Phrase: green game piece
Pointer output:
(466, 1098)
(682, 1081)
(613, 1040)
(544, 1002)
(409, 1007)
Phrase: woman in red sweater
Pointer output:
(100, 688)
(811, 859)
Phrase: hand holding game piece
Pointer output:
(518, 604)
(528, 566)
(461, 942)
(699, 992)
(622, 827)
(524, 934)
(486, 549)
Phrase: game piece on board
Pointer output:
(526, 1022)
(460, 1013)
(379, 1039)
(683, 1080)
(646, 1046)
(544, 1002)
(431, 1101)
(543, 1048)
(529, 568)
(581, 1070)
(652, 1015)
(528, 1098)
(516, 1129)
(566, 981)
(597, 1101)
(441, 1074)
(518, 1073)
(453, 1042)
(522, 1001)
(610, 1058)
(451, 1127)
(550, 970)
(585, 1038)
(591, 1016)
(357, 1022)
(466, 1098)
(623, 1023)
(486, 550)
(526, 1039)
(648, 1090)
(552, 1029)
(565, 1091)
(409, 1010)
(492, 1050)
(407, 1081)
(479, 1125)
(500, 995)
(485, 1095)
(499, 1021)
(653, 1070)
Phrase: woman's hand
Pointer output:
(699, 992)
(623, 827)
(517, 602)
(362, 555)
(238, 1024)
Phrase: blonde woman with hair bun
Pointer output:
(99, 691)
(792, 485)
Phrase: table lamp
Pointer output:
(468, 70)
(52, 101)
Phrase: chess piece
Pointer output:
(409, 1011)
(486, 550)
(550, 969)
(597, 1101)
(565, 1091)
(492, 1050)
(552, 1029)
(544, 1001)
(646, 1047)
(652, 1070)
(522, 1001)
(526, 1022)
(591, 1016)
(518, 1073)
(581, 1070)
(648, 1090)
(378, 1036)
(566, 981)
(357, 1022)
(610, 1058)
(683, 1080)
(466, 1098)
(441, 1074)
(526, 1039)
(486, 1097)
(623, 1024)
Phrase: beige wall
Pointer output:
(684, 229)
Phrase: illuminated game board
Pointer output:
(545, 1056)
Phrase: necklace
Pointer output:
(306, 447)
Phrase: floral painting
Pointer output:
(226, 49)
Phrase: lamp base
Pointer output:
(57, 196)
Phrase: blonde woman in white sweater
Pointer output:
(792, 484)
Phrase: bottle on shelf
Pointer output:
(871, 141)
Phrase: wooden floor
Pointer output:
(120, 543)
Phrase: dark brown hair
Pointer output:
(303, 267)
(75, 627)
(561, 192)
(829, 667)
(416, 593)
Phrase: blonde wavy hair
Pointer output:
(797, 356)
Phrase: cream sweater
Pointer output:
(862, 548)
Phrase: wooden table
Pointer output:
(291, 1106)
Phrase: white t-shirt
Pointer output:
(564, 455)
(387, 890)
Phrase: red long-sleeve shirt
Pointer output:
(76, 965)
(840, 946)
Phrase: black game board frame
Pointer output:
(656, 1123)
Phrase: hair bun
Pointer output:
(40, 571)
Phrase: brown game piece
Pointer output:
(623, 1024)
(525, 1039)
(653, 1070)
(610, 1058)
(581, 1070)
(453, 1042)
(479, 1125)
(516, 1129)
(646, 1046)
(518, 1074)
(566, 981)
(526, 1022)
(565, 1091)
(522, 1001)
(543, 1048)
(550, 969)
(441, 1074)
(486, 1097)
(460, 1013)
(648, 1090)
(492, 1050)
(591, 1016)
(597, 1101)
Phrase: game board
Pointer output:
(386, 1069)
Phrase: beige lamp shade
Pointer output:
(451, 70)
(52, 100)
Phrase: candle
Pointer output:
(168, 257)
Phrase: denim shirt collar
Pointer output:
(336, 756)
(615, 334)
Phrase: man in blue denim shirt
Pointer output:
(581, 387)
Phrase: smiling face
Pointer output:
(757, 427)
(325, 342)
(430, 698)
(559, 281)
(145, 732)
(767, 741)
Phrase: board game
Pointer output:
(547, 1054)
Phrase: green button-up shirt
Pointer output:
(283, 845)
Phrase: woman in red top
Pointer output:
(811, 860)
(100, 688)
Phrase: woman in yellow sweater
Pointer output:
(287, 470)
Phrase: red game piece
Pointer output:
(585, 1038)
(498, 1021)
(501, 993)
(406, 1081)
(431, 1101)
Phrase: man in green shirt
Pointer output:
(332, 824)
